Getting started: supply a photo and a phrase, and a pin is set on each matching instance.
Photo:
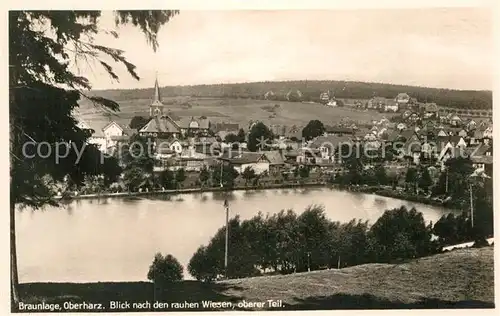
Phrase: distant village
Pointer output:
(428, 135)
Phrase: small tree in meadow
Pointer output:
(165, 270)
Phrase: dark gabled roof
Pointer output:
(165, 124)
(274, 156)
(481, 150)
(408, 133)
(487, 160)
(393, 135)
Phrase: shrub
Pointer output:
(165, 270)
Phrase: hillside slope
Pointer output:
(453, 279)
(311, 90)
(458, 279)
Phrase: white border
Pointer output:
(233, 5)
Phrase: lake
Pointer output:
(115, 239)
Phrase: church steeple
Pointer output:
(156, 107)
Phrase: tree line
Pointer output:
(311, 91)
(287, 242)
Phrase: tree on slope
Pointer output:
(43, 93)
(313, 129)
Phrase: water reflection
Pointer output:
(114, 239)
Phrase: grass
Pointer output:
(239, 111)
(458, 279)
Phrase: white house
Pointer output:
(488, 132)
(112, 132)
(97, 137)
(242, 160)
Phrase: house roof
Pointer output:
(330, 140)
(431, 107)
(477, 134)
(393, 135)
(391, 102)
(186, 122)
(239, 158)
(165, 124)
(487, 160)
(455, 139)
(442, 133)
(291, 153)
(408, 133)
(480, 150)
(403, 96)
(274, 156)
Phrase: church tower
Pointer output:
(156, 107)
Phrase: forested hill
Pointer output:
(311, 90)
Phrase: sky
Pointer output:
(433, 47)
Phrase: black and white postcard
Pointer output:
(251, 160)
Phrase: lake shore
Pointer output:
(376, 190)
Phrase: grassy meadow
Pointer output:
(239, 111)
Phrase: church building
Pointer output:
(163, 124)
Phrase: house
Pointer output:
(450, 151)
(402, 99)
(242, 160)
(161, 127)
(471, 125)
(191, 163)
(109, 136)
(294, 132)
(457, 141)
(327, 146)
(412, 151)
(482, 158)
(166, 126)
(442, 133)
(447, 118)
(455, 120)
(463, 133)
(293, 95)
(475, 137)
(413, 117)
(376, 103)
(406, 114)
(391, 106)
(324, 97)
(97, 136)
(332, 103)
(488, 132)
(276, 161)
(393, 136)
(168, 146)
(269, 95)
(431, 110)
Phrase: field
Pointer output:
(458, 279)
(240, 111)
